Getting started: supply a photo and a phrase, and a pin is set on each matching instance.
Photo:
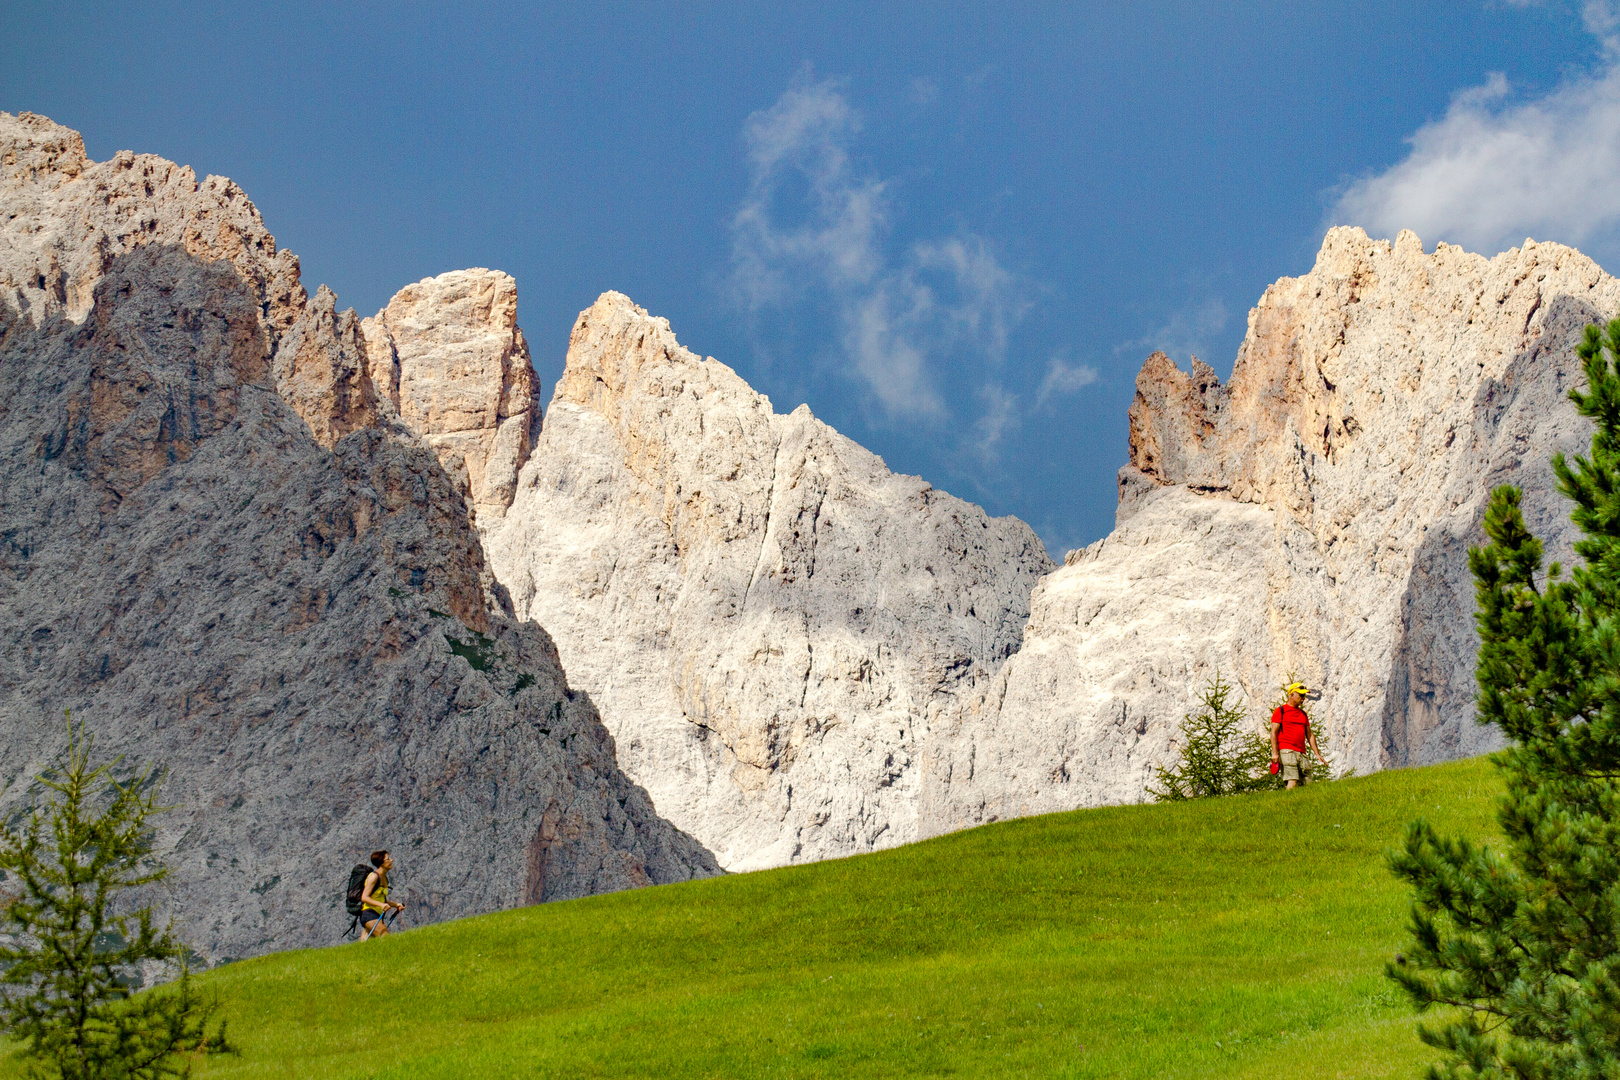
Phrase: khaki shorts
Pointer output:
(1296, 765)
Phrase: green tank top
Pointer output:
(379, 891)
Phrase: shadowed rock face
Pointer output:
(772, 622)
(219, 550)
(1311, 519)
(67, 217)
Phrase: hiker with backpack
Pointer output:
(367, 898)
(1290, 732)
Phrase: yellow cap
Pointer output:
(1296, 688)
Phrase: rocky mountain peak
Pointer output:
(37, 150)
(1310, 519)
(771, 620)
(612, 342)
(69, 218)
(1379, 338)
(448, 353)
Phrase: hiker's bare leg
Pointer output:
(1290, 784)
(381, 929)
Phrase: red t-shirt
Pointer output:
(1295, 727)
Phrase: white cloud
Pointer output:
(804, 133)
(882, 328)
(988, 299)
(1602, 18)
(1063, 379)
(811, 226)
(1496, 169)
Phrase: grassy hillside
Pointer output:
(1236, 937)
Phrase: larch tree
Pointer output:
(74, 946)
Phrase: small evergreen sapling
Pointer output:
(1523, 941)
(1218, 756)
(72, 951)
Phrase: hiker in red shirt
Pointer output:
(1290, 732)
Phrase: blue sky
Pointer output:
(954, 232)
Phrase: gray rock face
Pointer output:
(1311, 519)
(67, 217)
(218, 548)
(772, 623)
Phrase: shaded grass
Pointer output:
(1235, 937)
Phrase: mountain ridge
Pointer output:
(776, 649)
(220, 550)
(1311, 520)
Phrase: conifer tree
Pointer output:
(1218, 757)
(1522, 940)
(74, 948)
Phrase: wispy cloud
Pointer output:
(1497, 168)
(884, 330)
(1063, 379)
(924, 91)
(804, 135)
(813, 227)
(1189, 331)
(999, 419)
(1602, 18)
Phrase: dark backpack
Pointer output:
(357, 887)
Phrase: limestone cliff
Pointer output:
(1311, 518)
(67, 218)
(219, 549)
(447, 352)
(771, 621)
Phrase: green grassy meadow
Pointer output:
(1235, 937)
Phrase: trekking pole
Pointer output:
(392, 915)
